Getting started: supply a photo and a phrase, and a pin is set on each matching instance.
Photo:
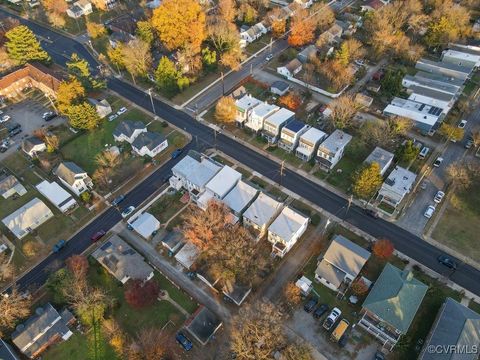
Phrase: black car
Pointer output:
(49, 116)
(371, 213)
(118, 200)
(3, 149)
(343, 340)
(319, 311)
(379, 356)
(15, 131)
(447, 261)
(310, 305)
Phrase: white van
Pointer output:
(424, 152)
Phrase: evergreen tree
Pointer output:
(145, 32)
(83, 116)
(166, 75)
(22, 46)
(79, 69)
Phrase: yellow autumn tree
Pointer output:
(367, 181)
(225, 110)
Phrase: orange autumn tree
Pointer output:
(302, 30)
(290, 101)
(383, 248)
(359, 287)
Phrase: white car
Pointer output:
(112, 117)
(269, 57)
(360, 62)
(462, 124)
(128, 211)
(429, 212)
(332, 318)
(122, 110)
(438, 162)
(5, 118)
(439, 197)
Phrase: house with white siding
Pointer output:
(285, 230)
(308, 143)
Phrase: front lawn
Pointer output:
(167, 206)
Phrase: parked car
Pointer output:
(15, 131)
(344, 339)
(98, 235)
(438, 162)
(112, 117)
(462, 124)
(340, 330)
(176, 153)
(5, 118)
(424, 152)
(118, 200)
(332, 318)
(49, 115)
(379, 356)
(360, 62)
(184, 341)
(59, 246)
(269, 57)
(122, 110)
(439, 197)
(128, 211)
(319, 311)
(447, 261)
(3, 149)
(468, 143)
(429, 212)
(372, 213)
(310, 305)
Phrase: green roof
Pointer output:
(396, 297)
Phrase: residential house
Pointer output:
(285, 230)
(80, 8)
(382, 157)
(240, 197)
(128, 131)
(253, 33)
(203, 325)
(219, 186)
(261, 213)
(27, 218)
(306, 54)
(363, 100)
(34, 75)
(469, 49)
(193, 173)
(461, 58)
(6, 352)
(397, 185)
(43, 329)
(237, 293)
(441, 84)
(102, 107)
(274, 124)
(122, 28)
(291, 69)
(425, 117)
(245, 106)
(290, 135)
(145, 224)
(279, 87)
(332, 35)
(149, 144)
(348, 29)
(308, 143)
(57, 195)
(304, 3)
(391, 305)
(372, 5)
(456, 327)
(73, 177)
(444, 68)
(122, 261)
(341, 264)
(331, 150)
(258, 115)
(439, 77)
(432, 97)
(9, 186)
(32, 146)
(305, 285)
(187, 255)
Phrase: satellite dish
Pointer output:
(39, 311)
(20, 327)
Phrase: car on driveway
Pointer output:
(319, 311)
(184, 341)
(128, 211)
(462, 124)
(438, 161)
(98, 235)
(468, 143)
(5, 118)
(332, 318)
(439, 197)
(112, 117)
(310, 305)
(447, 261)
(379, 356)
(429, 212)
(59, 246)
(118, 200)
(122, 110)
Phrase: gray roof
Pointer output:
(203, 324)
(148, 139)
(434, 94)
(29, 143)
(121, 260)
(456, 325)
(6, 352)
(335, 142)
(31, 336)
(346, 255)
(396, 297)
(196, 169)
(438, 77)
(7, 182)
(381, 156)
(127, 128)
(67, 171)
(306, 53)
(280, 85)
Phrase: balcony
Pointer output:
(382, 332)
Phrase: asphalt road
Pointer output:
(404, 241)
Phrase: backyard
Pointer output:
(167, 206)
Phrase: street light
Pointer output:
(223, 84)
(151, 100)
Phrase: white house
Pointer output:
(57, 195)
(258, 115)
(398, 184)
(382, 157)
(219, 186)
(331, 150)
(253, 33)
(285, 230)
(261, 213)
(73, 177)
(444, 68)
(145, 224)
(79, 9)
(128, 131)
(149, 144)
(240, 197)
(9, 186)
(461, 58)
(33, 145)
(279, 87)
(187, 255)
(432, 97)
(308, 143)
(103, 107)
(27, 218)
(341, 263)
(441, 83)
(290, 135)
(273, 124)
(291, 69)
(244, 107)
(304, 3)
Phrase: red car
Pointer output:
(98, 235)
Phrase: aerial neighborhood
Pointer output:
(240, 179)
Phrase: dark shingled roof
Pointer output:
(6, 352)
(203, 324)
(149, 139)
(280, 85)
(127, 128)
(30, 142)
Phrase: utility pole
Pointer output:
(350, 199)
(282, 169)
(223, 84)
(271, 43)
(151, 100)
(251, 69)
(215, 136)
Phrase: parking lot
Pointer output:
(27, 113)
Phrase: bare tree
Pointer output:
(108, 159)
(152, 343)
(459, 175)
(343, 110)
(7, 271)
(13, 308)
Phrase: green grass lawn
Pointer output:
(474, 306)
(19, 165)
(167, 206)
(284, 155)
(277, 194)
(201, 83)
(259, 182)
(245, 173)
(222, 160)
(184, 300)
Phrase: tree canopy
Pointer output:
(22, 46)
(367, 181)
(226, 110)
